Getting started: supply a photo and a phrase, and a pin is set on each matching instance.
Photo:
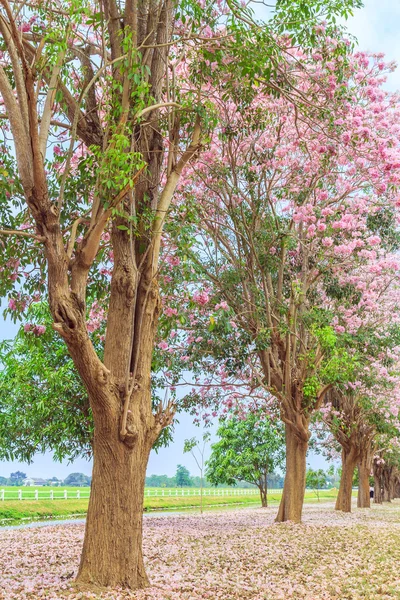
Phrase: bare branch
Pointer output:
(26, 234)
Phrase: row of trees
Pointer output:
(238, 178)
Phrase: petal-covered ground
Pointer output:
(235, 555)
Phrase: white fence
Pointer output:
(43, 494)
(49, 494)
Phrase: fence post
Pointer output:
(51, 495)
(78, 494)
(19, 494)
(162, 493)
(36, 494)
(1, 494)
(65, 495)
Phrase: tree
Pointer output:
(182, 476)
(248, 449)
(77, 479)
(197, 450)
(276, 248)
(160, 481)
(365, 409)
(17, 478)
(316, 480)
(87, 185)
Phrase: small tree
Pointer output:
(197, 449)
(248, 449)
(316, 480)
(182, 476)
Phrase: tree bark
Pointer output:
(364, 470)
(377, 490)
(349, 462)
(125, 430)
(112, 549)
(263, 496)
(291, 506)
(387, 483)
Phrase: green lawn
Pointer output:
(60, 508)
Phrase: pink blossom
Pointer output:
(12, 305)
(201, 298)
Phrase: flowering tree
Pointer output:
(289, 203)
(386, 471)
(100, 133)
(368, 404)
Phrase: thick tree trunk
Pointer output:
(291, 506)
(364, 470)
(349, 462)
(112, 549)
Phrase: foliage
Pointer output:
(77, 479)
(316, 480)
(182, 476)
(17, 478)
(247, 450)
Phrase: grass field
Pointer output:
(46, 509)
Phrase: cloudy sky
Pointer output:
(376, 28)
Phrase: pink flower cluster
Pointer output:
(37, 330)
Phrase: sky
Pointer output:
(376, 28)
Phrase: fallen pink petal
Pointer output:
(235, 555)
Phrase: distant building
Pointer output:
(36, 481)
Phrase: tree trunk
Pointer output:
(112, 549)
(377, 490)
(364, 470)
(387, 483)
(349, 462)
(263, 496)
(291, 505)
(397, 488)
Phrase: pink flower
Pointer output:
(174, 261)
(374, 240)
(222, 305)
(163, 346)
(39, 329)
(201, 298)
(12, 305)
